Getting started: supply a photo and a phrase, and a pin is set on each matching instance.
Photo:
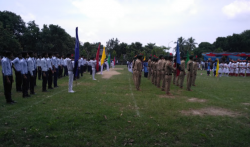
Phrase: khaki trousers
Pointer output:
(159, 76)
(168, 79)
(174, 77)
(189, 81)
(163, 80)
(193, 79)
(155, 78)
(152, 76)
(181, 77)
(137, 80)
(177, 81)
(149, 73)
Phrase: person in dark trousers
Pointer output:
(44, 68)
(17, 68)
(50, 71)
(35, 66)
(31, 70)
(8, 77)
(39, 67)
(24, 72)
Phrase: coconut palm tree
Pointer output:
(191, 43)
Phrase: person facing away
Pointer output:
(70, 73)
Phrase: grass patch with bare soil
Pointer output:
(111, 112)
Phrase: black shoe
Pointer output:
(10, 103)
(27, 96)
(13, 101)
(44, 91)
(33, 93)
(50, 88)
(56, 86)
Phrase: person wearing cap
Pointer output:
(159, 71)
(195, 68)
(168, 68)
(189, 73)
(137, 71)
(152, 70)
(149, 67)
(182, 71)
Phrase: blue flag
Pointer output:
(76, 53)
(178, 60)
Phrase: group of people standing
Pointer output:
(163, 70)
(232, 68)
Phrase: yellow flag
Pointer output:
(103, 56)
(217, 68)
(144, 58)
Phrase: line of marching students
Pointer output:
(28, 67)
(162, 70)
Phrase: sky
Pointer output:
(145, 21)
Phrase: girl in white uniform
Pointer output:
(220, 69)
(226, 69)
(248, 68)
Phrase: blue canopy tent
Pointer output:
(234, 56)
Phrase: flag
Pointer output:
(217, 68)
(144, 58)
(76, 53)
(114, 61)
(97, 59)
(103, 56)
(109, 60)
(178, 60)
(187, 58)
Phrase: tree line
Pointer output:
(17, 36)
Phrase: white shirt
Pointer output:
(93, 63)
(38, 62)
(69, 64)
(44, 65)
(31, 66)
(49, 63)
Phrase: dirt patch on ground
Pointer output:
(112, 69)
(167, 96)
(109, 74)
(210, 111)
(246, 104)
(196, 100)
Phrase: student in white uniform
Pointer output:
(107, 64)
(93, 65)
(248, 68)
(70, 73)
(220, 69)
(226, 69)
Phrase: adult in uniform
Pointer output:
(55, 69)
(149, 67)
(137, 71)
(163, 73)
(7, 77)
(70, 73)
(155, 71)
(44, 67)
(195, 68)
(133, 65)
(17, 69)
(182, 71)
(152, 70)
(168, 68)
(189, 73)
(24, 72)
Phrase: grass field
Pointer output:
(110, 112)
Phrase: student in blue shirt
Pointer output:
(8, 77)
(145, 67)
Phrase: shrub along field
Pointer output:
(110, 112)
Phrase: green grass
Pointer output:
(59, 118)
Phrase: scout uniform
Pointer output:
(137, 71)
(163, 74)
(182, 72)
(149, 68)
(152, 71)
(155, 72)
(159, 71)
(168, 73)
(190, 73)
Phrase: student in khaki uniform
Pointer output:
(189, 73)
(138, 70)
(195, 68)
(163, 73)
(182, 71)
(149, 67)
(174, 73)
(152, 70)
(159, 71)
(168, 67)
(155, 71)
